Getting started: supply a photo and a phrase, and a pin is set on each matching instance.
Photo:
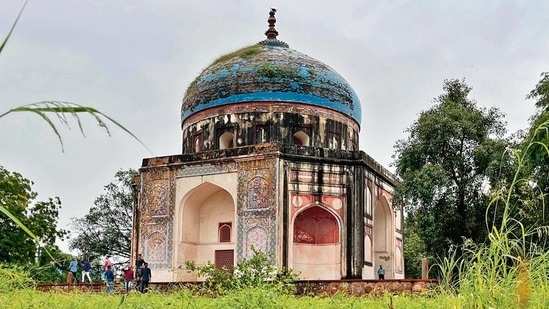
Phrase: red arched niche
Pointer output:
(316, 226)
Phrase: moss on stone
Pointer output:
(267, 69)
(245, 52)
(192, 84)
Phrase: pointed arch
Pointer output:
(202, 213)
(301, 138)
(316, 252)
(316, 225)
(368, 202)
(226, 140)
(384, 248)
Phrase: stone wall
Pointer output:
(364, 287)
(311, 287)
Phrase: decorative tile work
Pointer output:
(257, 237)
(156, 207)
(200, 170)
(298, 78)
(258, 176)
(156, 196)
(257, 193)
(156, 250)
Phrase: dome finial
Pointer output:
(271, 33)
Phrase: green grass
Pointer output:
(245, 298)
(511, 269)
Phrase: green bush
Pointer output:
(256, 272)
(14, 278)
(511, 269)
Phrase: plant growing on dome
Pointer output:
(244, 52)
(267, 69)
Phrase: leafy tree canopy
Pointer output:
(17, 198)
(536, 159)
(445, 164)
(106, 229)
(541, 92)
(414, 249)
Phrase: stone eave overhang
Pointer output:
(283, 151)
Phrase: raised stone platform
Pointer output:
(317, 287)
(365, 287)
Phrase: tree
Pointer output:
(445, 164)
(108, 225)
(40, 218)
(541, 93)
(536, 159)
(51, 266)
(414, 249)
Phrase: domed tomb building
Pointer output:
(270, 160)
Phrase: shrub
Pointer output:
(14, 278)
(511, 269)
(256, 272)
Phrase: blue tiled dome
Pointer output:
(270, 71)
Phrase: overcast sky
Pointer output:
(133, 60)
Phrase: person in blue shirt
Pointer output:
(86, 270)
(73, 268)
(109, 276)
(146, 276)
(381, 273)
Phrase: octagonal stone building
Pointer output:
(271, 160)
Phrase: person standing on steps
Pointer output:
(73, 268)
(146, 276)
(109, 276)
(86, 270)
(381, 273)
(106, 265)
(139, 261)
(128, 278)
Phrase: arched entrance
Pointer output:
(316, 245)
(206, 227)
(383, 237)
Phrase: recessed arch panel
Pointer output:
(316, 225)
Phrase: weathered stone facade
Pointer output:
(269, 160)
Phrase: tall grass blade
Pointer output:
(62, 109)
(12, 27)
(19, 223)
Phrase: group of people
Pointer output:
(141, 276)
(73, 270)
